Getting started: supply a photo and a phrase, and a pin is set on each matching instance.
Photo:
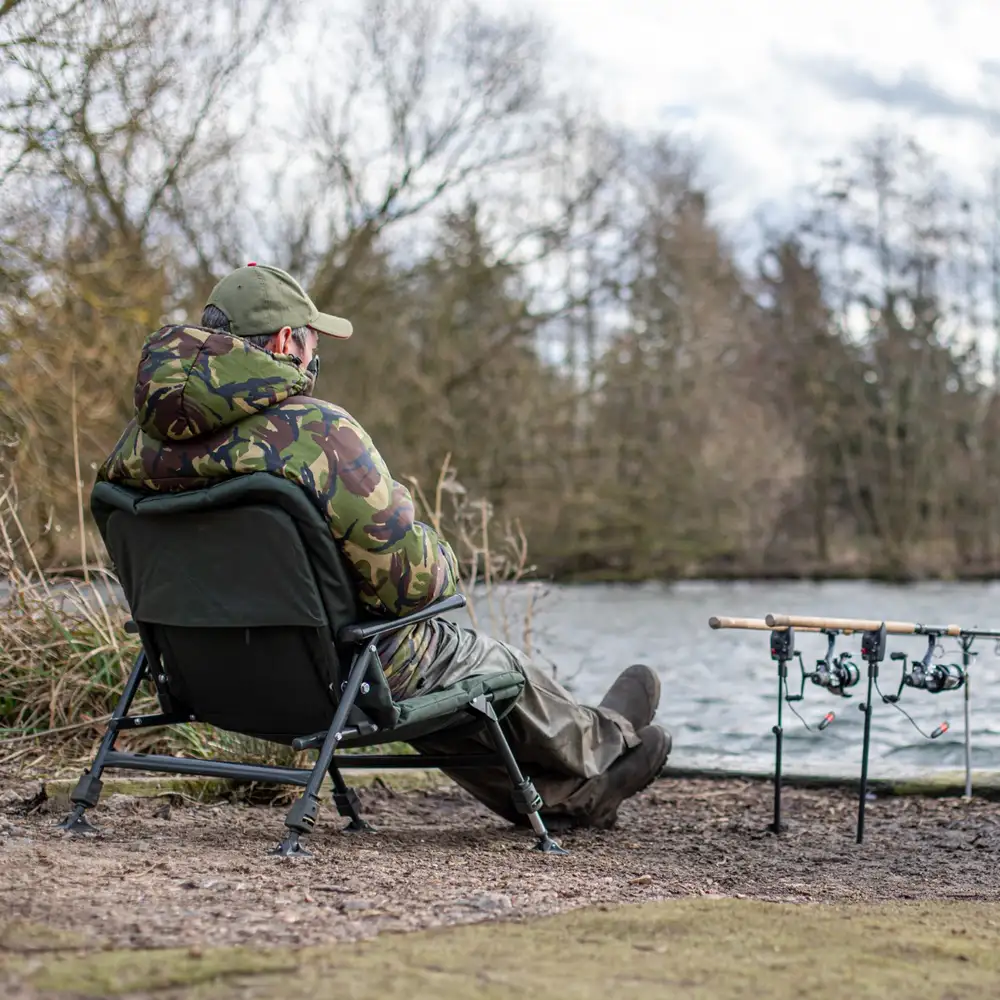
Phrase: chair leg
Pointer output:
(88, 789)
(302, 816)
(348, 804)
(526, 798)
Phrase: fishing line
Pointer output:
(943, 728)
(794, 712)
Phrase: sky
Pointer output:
(767, 89)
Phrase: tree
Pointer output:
(804, 365)
(117, 125)
(904, 303)
(433, 100)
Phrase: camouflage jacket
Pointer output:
(209, 406)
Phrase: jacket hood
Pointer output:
(192, 382)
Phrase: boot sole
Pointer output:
(653, 696)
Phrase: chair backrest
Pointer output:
(238, 590)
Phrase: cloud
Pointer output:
(911, 91)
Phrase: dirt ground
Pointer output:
(166, 873)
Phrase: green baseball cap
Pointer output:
(259, 299)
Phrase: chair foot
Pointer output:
(525, 796)
(348, 804)
(545, 843)
(548, 846)
(291, 848)
(359, 825)
(77, 824)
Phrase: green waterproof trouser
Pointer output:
(559, 743)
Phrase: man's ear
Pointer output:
(282, 340)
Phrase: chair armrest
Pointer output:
(352, 634)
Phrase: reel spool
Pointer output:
(936, 677)
(836, 675)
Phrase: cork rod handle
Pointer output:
(854, 625)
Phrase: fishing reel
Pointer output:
(835, 673)
(926, 676)
(937, 678)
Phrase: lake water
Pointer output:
(719, 686)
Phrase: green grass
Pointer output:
(694, 949)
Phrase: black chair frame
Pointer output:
(349, 723)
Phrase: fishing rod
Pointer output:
(757, 624)
(834, 673)
(923, 674)
(870, 625)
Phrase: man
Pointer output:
(233, 396)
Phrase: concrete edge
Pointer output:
(946, 784)
(204, 790)
(985, 784)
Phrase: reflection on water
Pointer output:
(719, 687)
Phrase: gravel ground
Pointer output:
(165, 872)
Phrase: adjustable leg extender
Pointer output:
(302, 816)
(526, 799)
(88, 789)
(348, 804)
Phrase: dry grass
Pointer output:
(65, 655)
(64, 652)
(493, 557)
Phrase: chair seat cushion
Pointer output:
(439, 710)
(505, 686)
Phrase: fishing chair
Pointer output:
(249, 622)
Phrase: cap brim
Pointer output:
(332, 326)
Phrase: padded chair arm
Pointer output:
(351, 634)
